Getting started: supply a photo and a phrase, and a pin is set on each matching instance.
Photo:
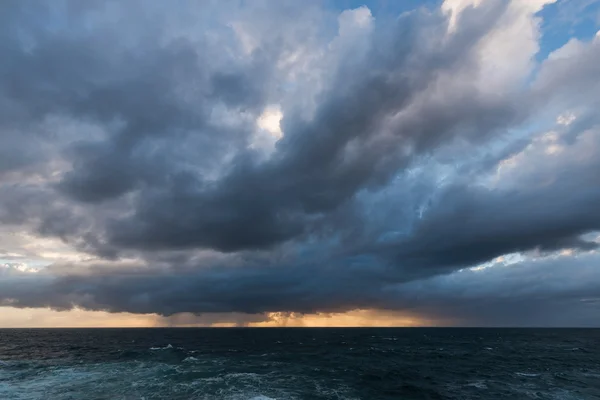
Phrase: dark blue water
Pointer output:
(299, 364)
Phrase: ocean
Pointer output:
(284, 363)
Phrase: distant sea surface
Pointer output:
(263, 364)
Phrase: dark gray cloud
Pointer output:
(133, 135)
(467, 226)
(540, 292)
(322, 163)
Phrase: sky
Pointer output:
(286, 163)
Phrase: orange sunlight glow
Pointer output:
(46, 318)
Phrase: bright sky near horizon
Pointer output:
(286, 163)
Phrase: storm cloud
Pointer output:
(286, 157)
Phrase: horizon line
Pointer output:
(304, 327)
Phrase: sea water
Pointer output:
(264, 364)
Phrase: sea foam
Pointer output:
(167, 347)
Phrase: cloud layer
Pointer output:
(287, 157)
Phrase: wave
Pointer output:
(243, 375)
(527, 374)
(477, 384)
(167, 347)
